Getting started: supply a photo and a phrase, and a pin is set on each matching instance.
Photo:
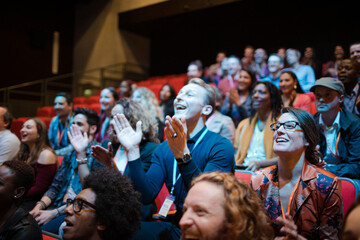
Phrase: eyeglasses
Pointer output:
(289, 125)
(78, 204)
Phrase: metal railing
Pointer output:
(41, 92)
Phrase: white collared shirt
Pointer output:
(331, 133)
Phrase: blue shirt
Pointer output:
(64, 175)
(213, 153)
(269, 78)
(57, 129)
(305, 75)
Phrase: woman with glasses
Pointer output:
(106, 208)
(253, 137)
(303, 200)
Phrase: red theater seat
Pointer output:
(244, 175)
(156, 90)
(47, 111)
(80, 105)
(177, 83)
(145, 83)
(79, 100)
(92, 99)
(349, 193)
(96, 107)
(46, 120)
(17, 124)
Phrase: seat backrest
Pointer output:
(50, 236)
(17, 124)
(79, 100)
(349, 193)
(243, 175)
(92, 99)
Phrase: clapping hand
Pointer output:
(77, 139)
(102, 155)
(176, 134)
(289, 228)
(128, 137)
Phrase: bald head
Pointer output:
(5, 119)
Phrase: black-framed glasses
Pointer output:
(78, 204)
(289, 125)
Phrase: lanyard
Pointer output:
(210, 119)
(60, 135)
(175, 163)
(336, 145)
(290, 199)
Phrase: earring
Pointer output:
(295, 87)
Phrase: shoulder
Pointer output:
(26, 227)
(304, 97)
(325, 180)
(9, 138)
(261, 177)
(47, 157)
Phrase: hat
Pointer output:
(331, 83)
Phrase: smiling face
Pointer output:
(107, 100)
(289, 141)
(346, 72)
(29, 132)
(244, 82)
(204, 213)
(339, 52)
(355, 52)
(291, 57)
(165, 93)
(274, 64)
(287, 83)
(81, 121)
(327, 99)
(260, 55)
(260, 98)
(190, 102)
(62, 107)
(233, 66)
(81, 225)
(193, 71)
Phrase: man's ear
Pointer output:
(19, 192)
(341, 98)
(100, 226)
(206, 110)
(92, 129)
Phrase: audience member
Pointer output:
(61, 123)
(214, 72)
(348, 74)
(261, 68)
(148, 101)
(126, 88)
(16, 178)
(73, 169)
(189, 150)
(233, 69)
(108, 98)
(224, 68)
(167, 97)
(9, 143)
(218, 122)
(107, 208)
(351, 230)
(220, 206)
(117, 158)
(195, 69)
(339, 129)
(275, 65)
(282, 53)
(291, 92)
(303, 200)
(35, 150)
(310, 59)
(330, 68)
(355, 51)
(253, 137)
(247, 62)
(304, 73)
(237, 102)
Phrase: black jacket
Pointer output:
(21, 225)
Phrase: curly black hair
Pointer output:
(24, 174)
(117, 204)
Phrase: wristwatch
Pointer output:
(185, 158)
